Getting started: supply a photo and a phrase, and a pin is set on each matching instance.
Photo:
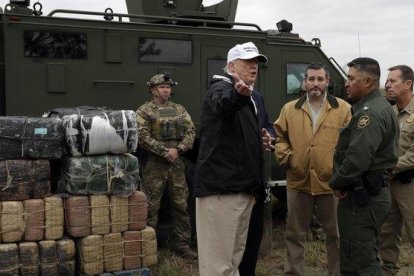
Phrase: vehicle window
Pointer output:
(295, 74)
(165, 50)
(215, 67)
(55, 44)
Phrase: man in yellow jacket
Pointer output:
(307, 131)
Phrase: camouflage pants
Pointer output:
(158, 175)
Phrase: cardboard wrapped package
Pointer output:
(113, 252)
(90, 254)
(107, 132)
(100, 175)
(54, 218)
(132, 249)
(29, 258)
(31, 138)
(24, 179)
(9, 259)
(12, 221)
(78, 216)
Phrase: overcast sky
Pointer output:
(385, 27)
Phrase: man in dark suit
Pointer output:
(255, 233)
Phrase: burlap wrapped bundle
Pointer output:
(9, 259)
(113, 252)
(100, 214)
(29, 258)
(12, 221)
(132, 249)
(149, 247)
(138, 211)
(78, 216)
(54, 218)
(66, 257)
(35, 219)
(91, 255)
(48, 257)
(119, 214)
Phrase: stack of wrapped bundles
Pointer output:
(31, 220)
(99, 180)
(31, 138)
(116, 252)
(102, 214)
(45, 257)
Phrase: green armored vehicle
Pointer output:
(60, 60)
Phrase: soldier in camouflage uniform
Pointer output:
(166, 131)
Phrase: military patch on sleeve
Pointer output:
(410, 119)
(363, 121)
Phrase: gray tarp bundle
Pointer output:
(31, 138)
(101, 133)
(24, 179)
(101, 174)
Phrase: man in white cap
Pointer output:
(229, 170)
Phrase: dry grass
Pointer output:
(272, 264)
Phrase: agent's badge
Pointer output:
(410, 119)
(363, 121)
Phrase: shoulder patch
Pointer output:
(410, 119)
(363, 121)
(366, 108)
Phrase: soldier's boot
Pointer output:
(185, 252)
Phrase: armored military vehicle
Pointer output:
(63, 59)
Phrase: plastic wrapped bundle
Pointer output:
(149, 247)
(80, 110)
(108, 132)
(9, 260)
(24, 179)
(12, 222)
(29, 258)
(113, 252)
(91, 255)
(35, 219)
(31, 138)
(138, 211)
(103, 174)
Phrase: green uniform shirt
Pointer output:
(406, 154)
(368, 143)
(164, 127)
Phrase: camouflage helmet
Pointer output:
(161, 79)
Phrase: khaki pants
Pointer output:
(300, 211)
(222, 224)
(401, 213)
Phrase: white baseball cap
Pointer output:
(245, 51)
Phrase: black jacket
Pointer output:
(230, 156)
(264, 121)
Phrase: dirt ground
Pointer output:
(272, 264)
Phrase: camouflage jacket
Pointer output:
(164, 127)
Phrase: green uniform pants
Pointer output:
(402, 213)
(359, 228)
(158, 175)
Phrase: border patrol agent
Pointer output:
(366, 151)
(166, 131)
(399, 87)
